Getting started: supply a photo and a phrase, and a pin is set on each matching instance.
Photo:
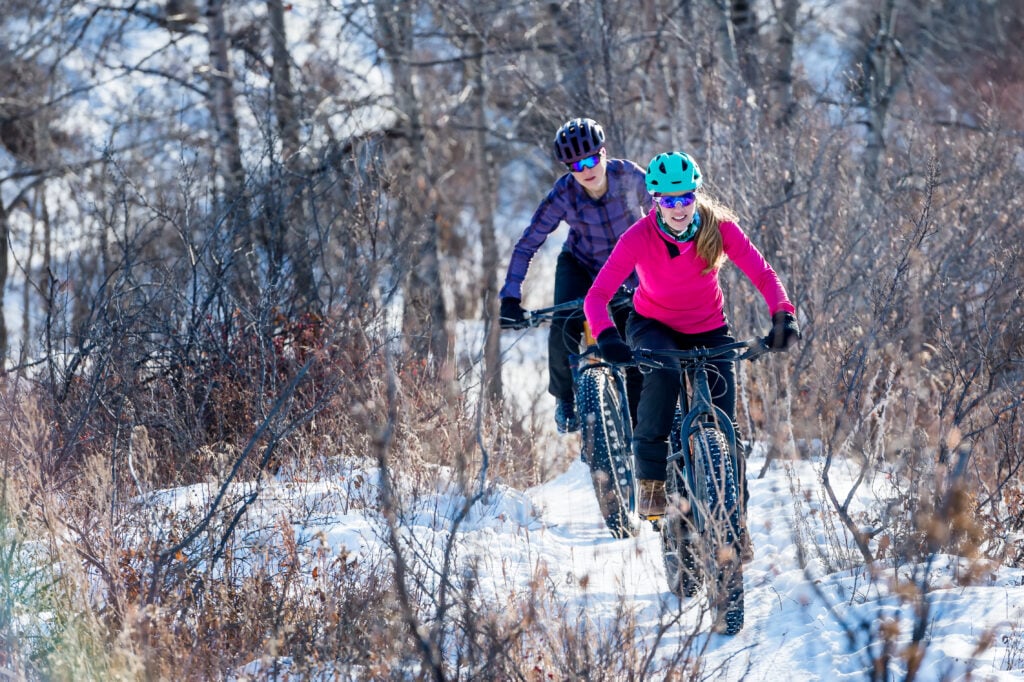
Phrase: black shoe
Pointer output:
(565, 416)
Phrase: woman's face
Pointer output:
(677, 209)
(592, 178)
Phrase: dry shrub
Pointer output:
(182, 592)
(121, 618)
(211, 395)
(333, 613)
(51, 627)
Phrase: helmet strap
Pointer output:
(686, 235)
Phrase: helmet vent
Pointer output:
(578, 138)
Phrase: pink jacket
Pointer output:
(673, 288)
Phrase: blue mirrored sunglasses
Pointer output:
(683, 200)
(589, 162)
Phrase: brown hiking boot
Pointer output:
(650, 501)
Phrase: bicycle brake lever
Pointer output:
(642, 361)
(757, 347)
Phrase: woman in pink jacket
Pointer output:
(676, 251)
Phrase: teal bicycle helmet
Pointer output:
(673, 172)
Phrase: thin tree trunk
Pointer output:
(782, 79)
(880, 77)
(744, 22)
(281, 77)
(488, 240)
(425, 318)
(294, 237)
(695, 95)
(731, 71)
(5, 234)
(223, 102)
(26, 294)
(228, 151)
(727, 40)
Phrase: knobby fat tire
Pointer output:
(606, 448)
(691, 542)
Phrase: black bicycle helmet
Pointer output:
(577, 139)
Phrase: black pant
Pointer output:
(572, 281)
(661, 391)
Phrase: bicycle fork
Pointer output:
(690, 421)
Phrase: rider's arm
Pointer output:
(617, 268)
(545, 220)
(748, 259)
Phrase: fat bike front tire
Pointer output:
(680, 537)
(602, 414)
(715, 480)
(685, 576)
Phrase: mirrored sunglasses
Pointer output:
(589, 162)
(683, 200)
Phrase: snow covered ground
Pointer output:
(794, 617)
(802, 623)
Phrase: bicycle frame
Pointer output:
(696, 412)
(696, 403)
(694, 541)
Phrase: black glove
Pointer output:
(784, 333)
(512, 314)
(613, 348)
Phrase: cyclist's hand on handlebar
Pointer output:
(512, 314)
(784, 332)
(613, 348)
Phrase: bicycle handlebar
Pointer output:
(537, 317)
(749, 349)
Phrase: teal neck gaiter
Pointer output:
(686, 235)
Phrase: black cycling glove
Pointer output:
(784, 333)
(613, 348)
(512, 314)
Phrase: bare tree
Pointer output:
(228, 151)
(29, 139)
(782, 78)
(485, 201)
(881, 75)
(746, 32)
(426, 323)
(288, 241)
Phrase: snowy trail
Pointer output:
(573, 528)
(789, 632)
(553, 533)
(553, 536)
(631, 569)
